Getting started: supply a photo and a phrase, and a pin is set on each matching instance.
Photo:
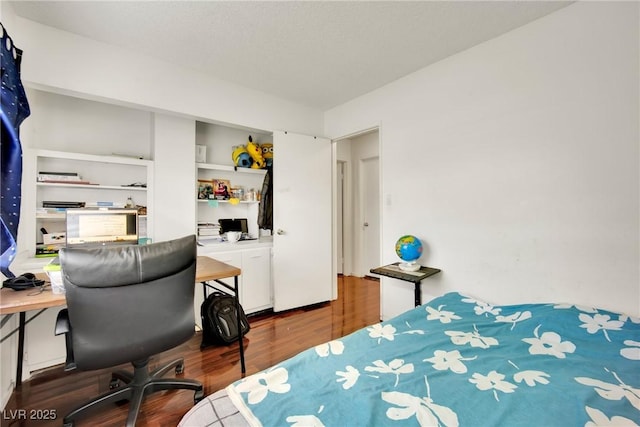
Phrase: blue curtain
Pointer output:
(15, 109)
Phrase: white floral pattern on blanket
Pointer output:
(461, 361)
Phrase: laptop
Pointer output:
(235, 224)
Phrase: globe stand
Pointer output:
(409, 266)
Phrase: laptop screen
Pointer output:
(237, 224)
(100, 227)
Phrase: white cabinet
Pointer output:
(108, 179)
(255, 292)
(254, 282)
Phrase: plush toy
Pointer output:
(241, 157)
(256, 154)
(267, 153)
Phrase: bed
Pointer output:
(453, 361)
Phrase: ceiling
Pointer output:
(318, 54)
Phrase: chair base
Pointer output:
(138, 384)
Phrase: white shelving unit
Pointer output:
(219, 141)
(242, 202)
(227, 168)
(109, 177)
(209, 211)
(253, 258)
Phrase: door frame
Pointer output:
(348, 228)
(341, 166)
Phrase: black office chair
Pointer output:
(125, 304)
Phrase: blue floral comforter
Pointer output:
(460, 361)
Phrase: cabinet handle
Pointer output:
(280, 231)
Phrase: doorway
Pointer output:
(358, 209)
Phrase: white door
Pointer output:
(370, 184)
(302, 266)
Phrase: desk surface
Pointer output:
(211, 269)
(16, 301)
(32, 299)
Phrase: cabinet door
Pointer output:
(255, 292)
(302, 266)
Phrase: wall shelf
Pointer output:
(112, 176)
(228, 168)
(92, 186)
(244, 202)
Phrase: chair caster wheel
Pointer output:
(179, 368)
(198, 396)
(114, 383)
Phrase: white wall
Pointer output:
(174, 156)
(66, 123)
(517, 163)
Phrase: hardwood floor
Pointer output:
(272, 338)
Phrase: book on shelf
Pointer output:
(208, 225)
(44, 251)
(61, 204)
(49, 211)
(105, 204)
(70, 177)
(62, 181)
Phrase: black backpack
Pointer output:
(220, 320)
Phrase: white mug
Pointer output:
(233, 236)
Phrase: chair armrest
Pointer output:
(62, 323)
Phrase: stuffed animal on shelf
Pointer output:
(267, 153)
(241, 157)
(256, 154)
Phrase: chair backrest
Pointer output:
(127, 303)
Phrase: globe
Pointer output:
(409, 249)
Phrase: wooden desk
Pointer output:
(11, 302)
(20, 301)
(415, 277)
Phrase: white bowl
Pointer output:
(233, 236)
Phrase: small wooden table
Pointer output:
(415, 277)
(11, 302)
